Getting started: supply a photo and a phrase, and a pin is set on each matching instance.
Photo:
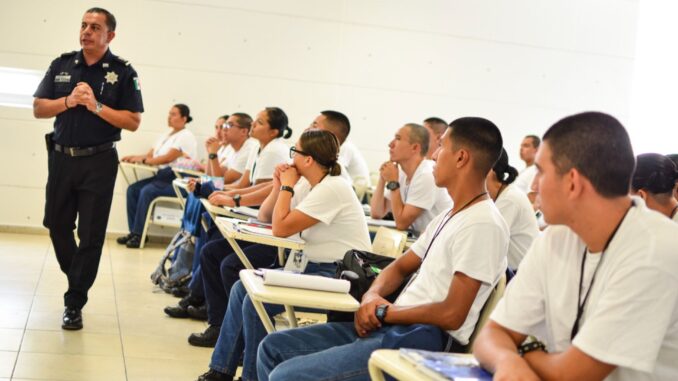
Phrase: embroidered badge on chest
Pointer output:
(111, 77)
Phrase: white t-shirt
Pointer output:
(675, 217)
(183, 141)
(423, 193)
(517, 211)
(631, 317)
(341, 221)
(351, 158)
(237, 160)
(223, 154)
(262, 162)
(525, 178)
(473, 242)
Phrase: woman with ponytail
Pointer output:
(654, 181)
(269, 128)
(308, 197)
(514, 206)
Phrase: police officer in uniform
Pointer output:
(94, 95)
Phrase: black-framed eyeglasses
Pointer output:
(294, 151)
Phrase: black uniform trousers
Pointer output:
(79, 187)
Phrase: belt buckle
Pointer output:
(72, 151)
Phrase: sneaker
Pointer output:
(123, 240)
(213, 375)
(206, 339)
(72, 319)
(197, 312)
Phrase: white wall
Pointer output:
(521, 63)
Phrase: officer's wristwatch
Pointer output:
(212, 156)
(236, 200)
(392, 185)
(98, 108)
(380, 312)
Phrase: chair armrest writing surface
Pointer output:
(134, 167)
(229, 229)
(178, 185)
(297, 297)
(389, 361)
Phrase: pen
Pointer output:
(102, 88)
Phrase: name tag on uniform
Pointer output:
(62, 78)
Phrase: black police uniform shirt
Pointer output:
(114, 83)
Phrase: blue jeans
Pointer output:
(139, 198)
(220, 268)
(242, 329)
(334, 351)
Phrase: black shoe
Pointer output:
(197, 312)
(213, 375)
(176, 312)
(123, 240)
(134, 241)
(179, 292)
(72, 319)
(206, 339)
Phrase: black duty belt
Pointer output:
(83, 151)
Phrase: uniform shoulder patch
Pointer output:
(69, 54)
(121, 60)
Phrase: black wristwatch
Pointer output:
(236, 200)
(287, 188)
(212, 156)
(531, 346)
(380, 312)
(392, 185)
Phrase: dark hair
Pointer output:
(654, 173)
(323, 147)
(674, 158)
(597, 146)
(340, 122)
(438, 125)
(184, 111)
(505, 173)
(419, 135)
(224, 117)
(480, 136)
(277, 119)
(244, 120)
(535, 140)
(110, 19)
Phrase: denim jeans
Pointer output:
(242, 329)
(139, 198)
(334, 351)
(220, 269)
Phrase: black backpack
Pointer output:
(361, 268)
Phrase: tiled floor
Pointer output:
(126, 334)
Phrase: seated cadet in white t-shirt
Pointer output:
(269, 128)
(349, 156)
(177, 143)
(599, 286)
(654, 181)
(514, 207)
(309, 198)
(457, 260)
(406, 186)
(436, 128)
(229, 151)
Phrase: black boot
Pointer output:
(197, 312)
(206, 339)
(213, 375)
(134, 242)
(123, 240)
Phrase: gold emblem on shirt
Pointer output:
(111, 77)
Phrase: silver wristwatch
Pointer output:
(99, 107)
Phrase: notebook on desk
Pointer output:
(257, 228)
(245, 211)
(445, 366)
